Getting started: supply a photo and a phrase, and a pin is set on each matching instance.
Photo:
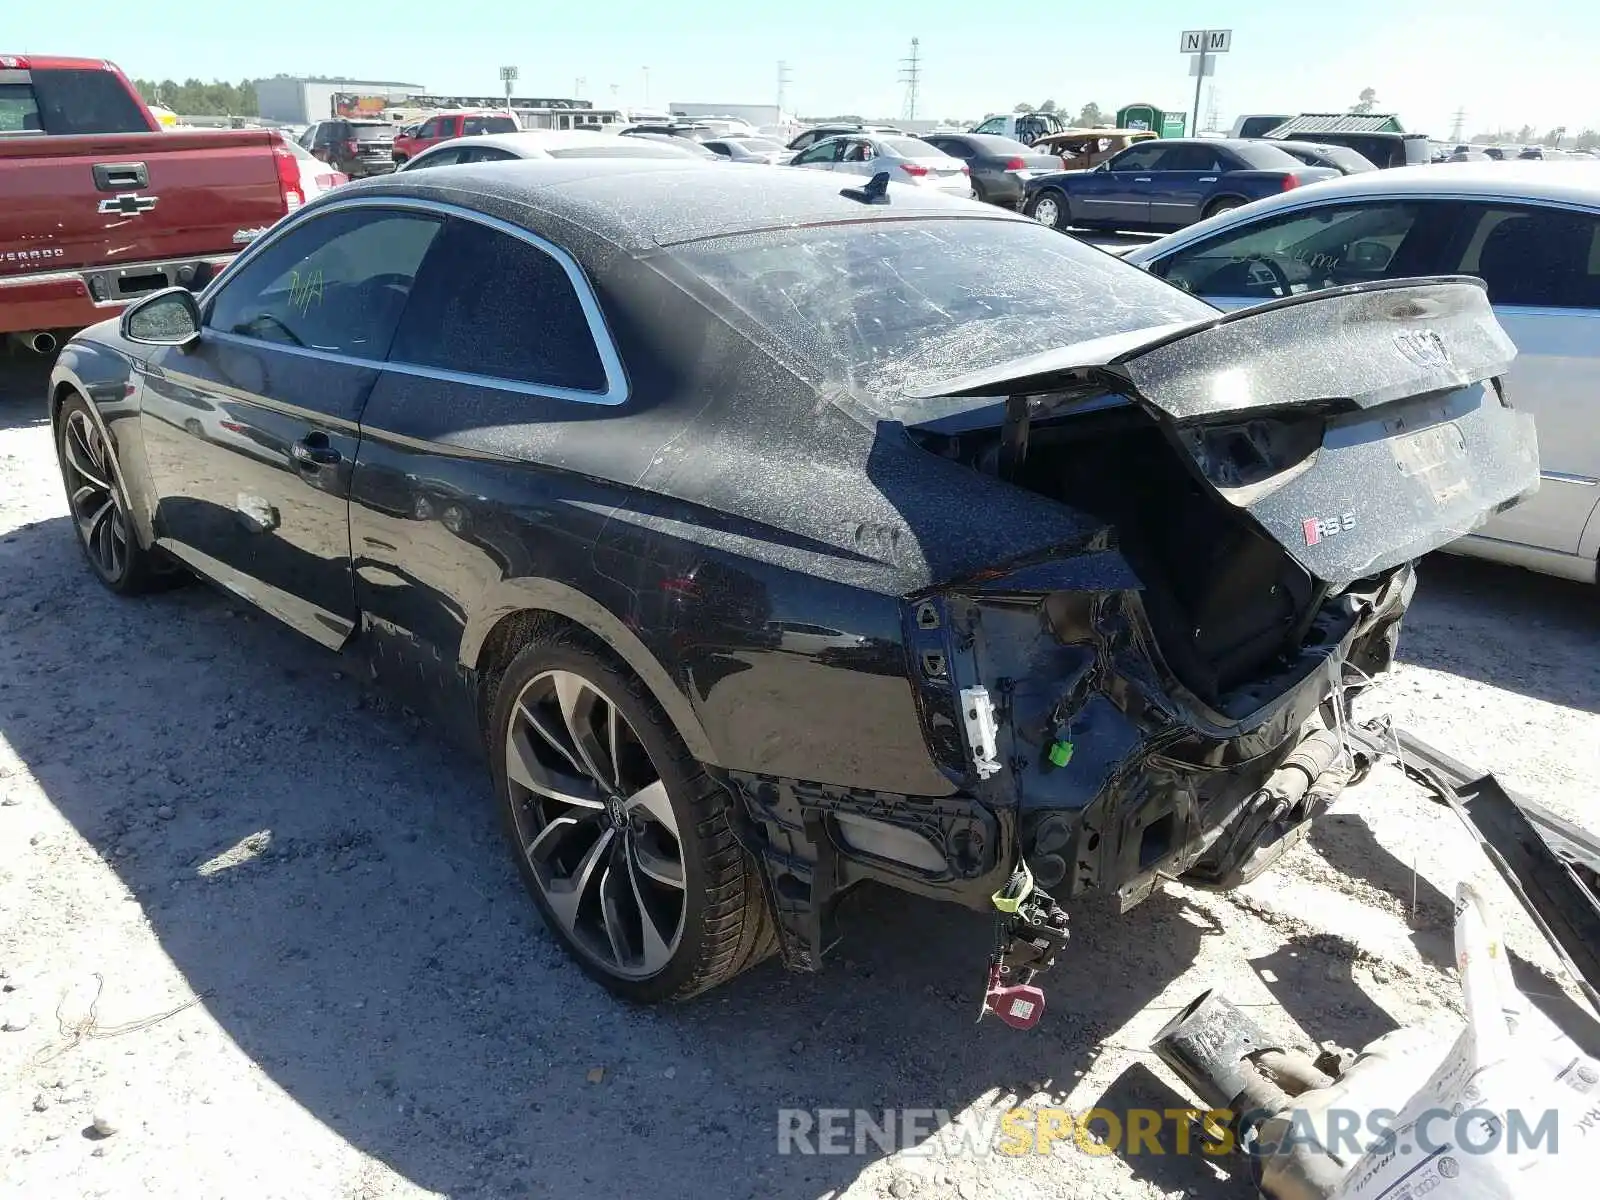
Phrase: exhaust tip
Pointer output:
(39, 341)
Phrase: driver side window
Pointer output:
(1301, 252)
(336, 283)
(992, 125)
(1142, 157)
(820, 153)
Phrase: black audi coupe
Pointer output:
(771, 535)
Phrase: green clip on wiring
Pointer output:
(1017, 889)
(1060, 752)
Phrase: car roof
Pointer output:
(641, 203)
(535, 139)
(1574, 183)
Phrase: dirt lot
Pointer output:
(198, 804)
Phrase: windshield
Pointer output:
(911, 148)
(370, 131)
(877, 306)
(759, 143)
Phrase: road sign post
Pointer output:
(1203, 43)
(508, 76)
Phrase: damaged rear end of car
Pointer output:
(1165, 696)
(1168, 701)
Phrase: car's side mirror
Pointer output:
(170, 317)
(1367, 256)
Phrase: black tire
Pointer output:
(1226, 204)
(106, 535)
(1063, 216)
(977, 193)
(725, 925)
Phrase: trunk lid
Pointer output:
(1360, 427)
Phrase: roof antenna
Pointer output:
(876, 191)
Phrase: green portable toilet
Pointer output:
(1139, 116)
(1174, 124)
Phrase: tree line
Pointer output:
(1088, 117)
(192, 98)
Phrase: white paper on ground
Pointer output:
(1512, 1071)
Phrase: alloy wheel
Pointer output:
(596, 825)
(1047, 212)
(92, 494)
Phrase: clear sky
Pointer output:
(1506, 64)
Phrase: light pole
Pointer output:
(646, 71)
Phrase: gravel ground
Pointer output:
(259, 936)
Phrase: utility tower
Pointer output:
(1458, 125)
(783, 87)
(1211, 109)
(911, 76)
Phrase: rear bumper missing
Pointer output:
(1156, 784)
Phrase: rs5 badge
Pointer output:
(1317, 528)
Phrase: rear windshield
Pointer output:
(993, 143)
(878, 306)
(758, 143)
(630, 148)
(1261, 157)
(1346, 158)
(910, 147)
(475, 125)
(368, 131)
(68, 102)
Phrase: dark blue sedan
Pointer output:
(1166, 184)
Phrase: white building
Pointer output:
(300, 101)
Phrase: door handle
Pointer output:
(1141, 179)
(120, 177)
(1208, 179)
(313, 451)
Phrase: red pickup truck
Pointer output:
(441, 127)
(99, 206)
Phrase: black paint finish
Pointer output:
(804, 589)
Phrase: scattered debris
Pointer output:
(103, 1125)
(596, 1074)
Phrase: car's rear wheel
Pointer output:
(99, 509)
(621, 837)
(1226, 204)
(1049, 208)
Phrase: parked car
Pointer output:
(1339, 158)
(357, 148)
(1254, 125)
(1380, 149)
(807, 138)
(689, 146)
(906, 159)
(689, 131)
(316, 176)
(1084, 149)
(101, 205)
(446, 126)
(1024, 127)
(1167, 184)
(748, 149)
(999, 167)
(547, 143)
(1531, 231)
(553, 442)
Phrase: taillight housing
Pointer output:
(1014, 163)
(915, 170)
(1290, 182)
(289, 188)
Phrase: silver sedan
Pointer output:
(906, 159)
(1529, 230)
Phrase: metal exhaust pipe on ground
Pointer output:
(36, 341)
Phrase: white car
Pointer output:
(1530, 230)
(316, 176)
(542, 143)
(906, 159)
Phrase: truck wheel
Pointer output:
(622, 839)
(1051, 208)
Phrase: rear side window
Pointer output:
(68, 102)
(336, 283)
(487, 303)
(1539, 257)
